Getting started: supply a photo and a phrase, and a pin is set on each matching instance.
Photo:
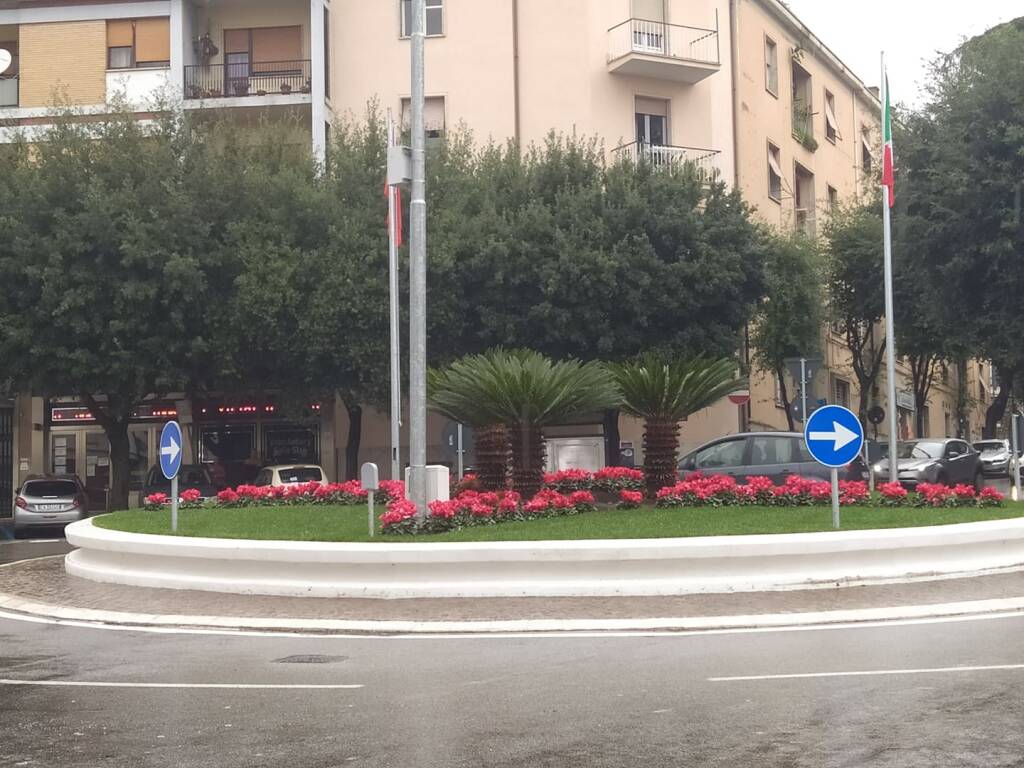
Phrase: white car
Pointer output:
(290, 474)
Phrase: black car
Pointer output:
(189, 476)
(776, 455)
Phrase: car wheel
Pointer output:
(18, 532)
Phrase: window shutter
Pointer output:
(830, 117)
(119, 34)
(236, 41)
(433, 114)
(773, 163)
(273, 45)
(153, 40)
(649, 10)
(645, 106)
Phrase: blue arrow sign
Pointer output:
(834, 436)
(170, 449)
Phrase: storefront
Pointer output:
(232, 439)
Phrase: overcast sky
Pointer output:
(910, 32)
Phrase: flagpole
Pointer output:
(890, 335)
(396, 372)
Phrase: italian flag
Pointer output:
(887, 173)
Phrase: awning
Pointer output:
(830, 119)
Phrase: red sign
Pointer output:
(742, 397)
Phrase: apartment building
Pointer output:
(740, 87)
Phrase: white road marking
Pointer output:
(215, 686)
(869, 673)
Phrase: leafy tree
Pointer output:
(107, 277)
(853, 240)
(966, 174)
(663, 393)
(788, 323)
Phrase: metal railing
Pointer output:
(257, 78)
(8, 91)
(656, 38)
(705, 161)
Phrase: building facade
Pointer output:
(740, 87)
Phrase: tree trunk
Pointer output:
(661, 441)
(612, 456)
(120, 464)
(528, 461)
(994, 413)
(355, 435)
(784, 394)
(491, 457)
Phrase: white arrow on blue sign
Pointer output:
(170, 449)
(834, 436)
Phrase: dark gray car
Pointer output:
(949, 461)
(771, 454)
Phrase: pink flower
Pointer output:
(631, 497)
(156, 498)
(228, 496)
(190, 495)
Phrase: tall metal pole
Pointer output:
(890, 335)
(418, 274)
(803, 389)
(396, 371)
(1015, 447)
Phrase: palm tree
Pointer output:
(663, 393)
(525, 391)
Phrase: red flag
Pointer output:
(888, 176)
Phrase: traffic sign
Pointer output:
(170, 450)
(809, 366)
(834, 436)
(740, 397)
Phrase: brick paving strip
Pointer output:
(43, 581)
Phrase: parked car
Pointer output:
(995, 456)
(48, 501)
(290, 474)
(189, 476)
(772, 454)
(949, 461)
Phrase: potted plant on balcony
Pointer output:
(240, 88)
(307, 86)
(286, 88)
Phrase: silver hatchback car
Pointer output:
(49, 501)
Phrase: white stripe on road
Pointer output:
(218, 686)
(869, 673)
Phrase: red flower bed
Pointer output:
(630, 499)
(608, 480)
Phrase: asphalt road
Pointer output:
(934, 694)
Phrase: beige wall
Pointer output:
(66, 59)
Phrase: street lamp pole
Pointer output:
(418, 273)
(890, 335)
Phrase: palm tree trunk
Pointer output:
(661, 440)
(528, 461)
(491, 457)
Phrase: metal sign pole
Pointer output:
(174, 504)
(1014, 460)
(835, 498)
(803, 388)
(396, 373)
(459, 450)
(369, 500)
(890, 335)
(871, 471)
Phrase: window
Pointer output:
(11, 46)
(651, 117)
(803, 195)
(138, 43)
(435, 18)
(766, 450)
(726, 454)
(925, 417)
(833, 198)
(433, 116)
(774, 173)
(771, 67)
(803, 128)
(865, 150)
(831, 123)
(841, 393)
(327, 53)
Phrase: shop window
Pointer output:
(138, 457)
(62, 454)
(138, 43)
(435, 17)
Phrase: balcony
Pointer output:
(9, 91)
(662, 51)
(705, 161)
(241, 81)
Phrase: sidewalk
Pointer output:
(41, 587)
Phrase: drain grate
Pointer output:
(310, 659)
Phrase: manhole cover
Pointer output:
(310, 659)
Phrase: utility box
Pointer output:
(437, 483)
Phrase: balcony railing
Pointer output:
(705, 161)
(258, 78)
(656, 38)
(8, 91)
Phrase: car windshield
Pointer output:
(920, 449)
(989, 445)
(300, 475)
(46, 488)
(188, 477)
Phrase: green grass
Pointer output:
(316, 523)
